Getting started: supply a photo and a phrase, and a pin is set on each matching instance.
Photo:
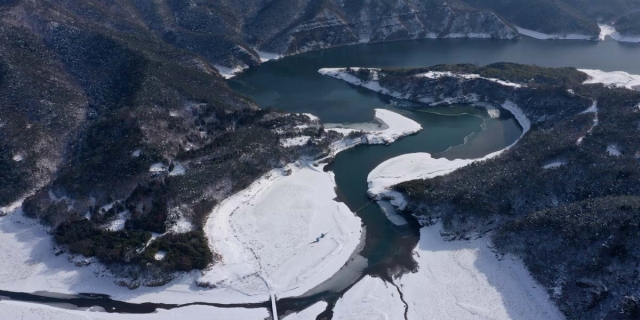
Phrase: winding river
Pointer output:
(459, 131)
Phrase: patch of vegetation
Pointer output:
(82, 237)
(184, 252)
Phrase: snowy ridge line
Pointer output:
(618, 79)
(467, 76)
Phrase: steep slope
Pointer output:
(112, 134)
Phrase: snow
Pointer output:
(618, 79)
(28, 311)
(414, 166)
(371, 299)
(229, 73)
(466, 280)
(613, 150)
(467, 76)
(136, 153)
(267, 56)
(608, 30)
(29, 265)
(411, 166)
(311, 312)
(390, 211)
(18, 157)
(554, 164)
(469, 35)
(119, 223)
(158, 167)
(394, 126)
(297, 141)
(182, 225)
(270, 235)
(373, 84)
(544, 36)
(178, 169)
(593, 109)
(311, 116)
(160, 255)
(525, 123)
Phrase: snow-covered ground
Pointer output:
(29, 311)
(270, 235)
(296, 141)
(610, 31)
(370, 299)
(554, 164)
(421, 165)
(373, 84)
(267, 56)
(229, 73)
(466, 280)
(544, 36)
(266, 234)
(612, 150)
(410, 166)
(393, 126)
(619, 79)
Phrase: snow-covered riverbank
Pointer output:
(545, 36)
(455, 280)
(391, 126)
(284, 234)
(467, 280)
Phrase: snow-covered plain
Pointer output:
(466, 280)
(28, 311)
(618, 79)
(370, 299)
(544, 36)
(270, 235)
